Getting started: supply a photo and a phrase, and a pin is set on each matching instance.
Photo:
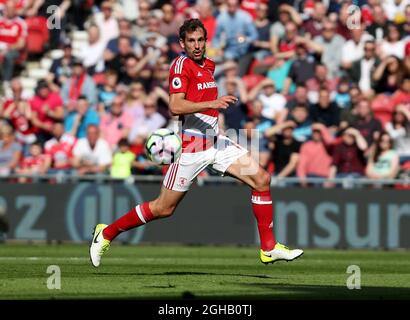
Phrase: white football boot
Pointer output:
(98, 245)
(280, 253)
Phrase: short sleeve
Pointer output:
(178, 76)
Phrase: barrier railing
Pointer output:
(346, 182)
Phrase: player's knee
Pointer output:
(262, 181)
(162, 211)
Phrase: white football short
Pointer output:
(219, 157)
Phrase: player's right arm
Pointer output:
(178, 105)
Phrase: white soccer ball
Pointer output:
(163, 146)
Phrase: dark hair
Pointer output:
(123, 142)
(191, 25)
(378, 150)
(82, 97)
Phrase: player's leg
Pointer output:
(175, 185)
(242, 166)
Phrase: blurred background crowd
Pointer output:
(323, 86)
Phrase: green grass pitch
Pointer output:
(203, 272)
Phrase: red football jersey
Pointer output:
(198, 84)
(34, 163)
(60, 151)
(12, 29)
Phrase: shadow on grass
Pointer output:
(183, 273)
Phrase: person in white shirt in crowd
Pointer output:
(92, 53)
(392, 43)
(92, 154)
(273, 103)
(353, 49)
(106, 22)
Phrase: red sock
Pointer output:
(137, 216)
(263, 211)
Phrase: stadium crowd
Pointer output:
(326, 93)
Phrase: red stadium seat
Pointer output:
(382, 109)
(251, 80)
(37, 34)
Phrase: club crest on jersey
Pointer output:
(199, 74)
(206, 85)
(176, 83)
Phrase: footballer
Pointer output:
(194, 98)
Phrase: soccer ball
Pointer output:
(163, 146)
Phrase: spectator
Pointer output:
(153, 42)
(399, 131)
(92, 53)
(36, 163)
(273, 103)
(170, 22)
(235, 32)
(342, 96)
(320, 80)
(61, 68)
(279, 72)
(47, 107)
(134, 102)
(325, 111)
(392, 45)
(234, 117)
(300, 97)
(151, 121)
(260, 124)
(261, 46)
(77, 122)
(285, 152)
(10, 151)
(383, 162)
(13, 33)
(230, 71)
(283, 47)
(133, 70)
(303, 124)
(92, 154)
(331, 44)
(60, 149)
(106, 22)
(286, 13)
(79, 84)
(348, 156)
(113, 47)
(314, 25)
(394, 9)
(353, 49)
(106, 91)
(205, 11)
(388, 75)
(314, 156)
(18, 112)
(122, 160)
(302, 69)
(369, 127)
(378, 27)
(362, 70)
(116, 124)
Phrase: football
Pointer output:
(163, 146)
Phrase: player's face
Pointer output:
(194, 45)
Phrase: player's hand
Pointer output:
(224, 102)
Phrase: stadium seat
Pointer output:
(251, 80)
(37, 34)
(381, 108)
